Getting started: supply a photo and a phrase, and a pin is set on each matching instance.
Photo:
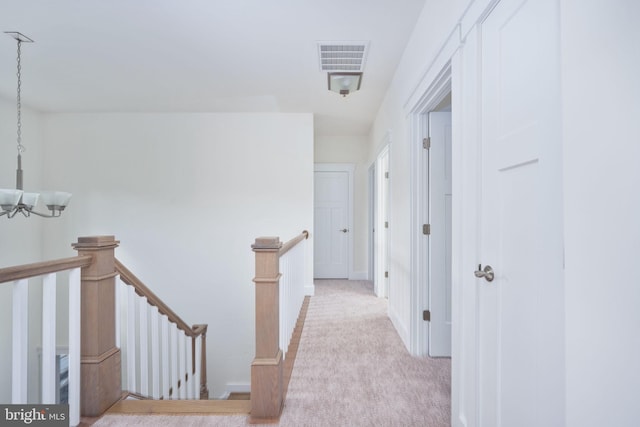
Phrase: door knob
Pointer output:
(344, 230)
(486, 272)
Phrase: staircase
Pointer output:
(129, 353)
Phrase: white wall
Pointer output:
(351, 149)
(186, 194)
(601, 117)
(601, 200)
(434, 25)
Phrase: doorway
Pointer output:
(438, 232)
(431, 219)
(379, 177)
(333, 220)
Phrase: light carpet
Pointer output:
(351, 370)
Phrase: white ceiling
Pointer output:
(201, 55)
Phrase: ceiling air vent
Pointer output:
(342, 56)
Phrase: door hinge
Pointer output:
(386, 274)
(386, 224)
(426, 143)
(426, 229)
(386, 174)
(426, 316)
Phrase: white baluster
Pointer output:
(143, 333)
(175, 375)
(198, 367)
(155, 353)
(292, 268)
(49, 339)
(183, 363)
(291, 299)
(74, 347)
(20, 340)
(189, 344)
(166, 378)
(281, 303)
(131, 339)
(298, 284)
(120, 288)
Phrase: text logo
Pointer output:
(36, 415)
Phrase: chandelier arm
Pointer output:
(41, 214)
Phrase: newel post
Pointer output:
(99, 357)
(266, 369)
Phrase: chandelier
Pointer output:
(17, 200)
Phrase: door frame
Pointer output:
(436, 162)
(378, 265)
(420, 246)
(349, 168)
(371, 174)
(460, 52)
(454, 69)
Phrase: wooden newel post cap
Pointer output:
(102, 248)
(266, 244)
(95, 242)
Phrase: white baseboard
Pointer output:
(235, 388)
(400, 328)
(310, 290)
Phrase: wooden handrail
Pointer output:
(141, 289)
(286, 247)
(26, 271)
(200, 329)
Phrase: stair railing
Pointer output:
(279, 279)
(291, 259)
(164, 357)
(94, 356)
(48, 275)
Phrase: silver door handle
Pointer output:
(344, 230)
(486, 272)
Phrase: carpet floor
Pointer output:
(351, 370)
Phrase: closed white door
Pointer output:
(381, 242)
(440, 237)
(520, 312)
(331, 199)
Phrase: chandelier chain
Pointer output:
(20, 147)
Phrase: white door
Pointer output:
(520, 312)
(331, 225)
(382, 224)
(440, 237)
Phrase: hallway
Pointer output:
(351, 370)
